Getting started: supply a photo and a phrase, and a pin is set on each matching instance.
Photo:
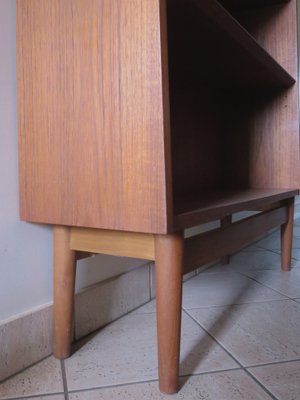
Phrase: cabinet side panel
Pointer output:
(91, 122)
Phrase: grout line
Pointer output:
(273, 363)
(217, 371)
(269, 287)
(151, 380)
(33, 396)
(64, 379)
(261, 385)
(214, 338)
(278, 251)
(232, 304)
(230, 355)
(116, 385)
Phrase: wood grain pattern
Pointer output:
(116, 243)
(91, 114)
(275, 29)
(210, 246)
(168, 270)
(64, 287)
(94, 112)
(262, 147)
(214, 205)
(286, 235)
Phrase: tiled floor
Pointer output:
(240, 341)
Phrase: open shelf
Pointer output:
(231, 104)
(215, 205)
(212, 46)
(242, 4)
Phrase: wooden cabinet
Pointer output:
(140, 118)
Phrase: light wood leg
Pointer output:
(168, 259)
(64, 284)
(227, 220)
(287, 238)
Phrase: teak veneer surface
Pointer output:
(91, 113)
(120, 116)
(214, 205)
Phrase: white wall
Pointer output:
(26, 249)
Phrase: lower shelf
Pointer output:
(215, 205)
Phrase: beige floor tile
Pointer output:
(223, 289)
(147, 308)
(117, 296)
(42, 378)
(272, 242)
(255, 333)
(244, 261)
(231, 385)
(282, 380)
(125, 352)
(256, 260)
(287, 283)
(251, 248)
(295, 256)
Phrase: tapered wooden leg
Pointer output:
(225, 221)
(64, 284)
(168, 260)
(287, 238)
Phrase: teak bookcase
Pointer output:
(141, 118)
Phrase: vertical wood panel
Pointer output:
(91, 114)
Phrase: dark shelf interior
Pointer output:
(230, 108)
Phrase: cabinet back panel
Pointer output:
(196, 126)
(92, 145)
(261, 140)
